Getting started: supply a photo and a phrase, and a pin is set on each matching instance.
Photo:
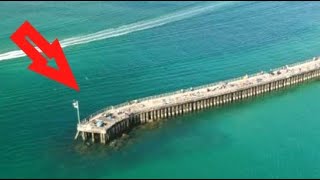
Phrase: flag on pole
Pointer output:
(75, 104)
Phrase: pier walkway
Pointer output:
(111, 122)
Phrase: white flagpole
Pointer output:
(78, 112)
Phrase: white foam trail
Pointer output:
(126, 29)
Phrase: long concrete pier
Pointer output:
(113, 121)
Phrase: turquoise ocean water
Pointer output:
(170, 46)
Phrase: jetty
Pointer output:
(111, 122)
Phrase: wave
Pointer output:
(126, 29)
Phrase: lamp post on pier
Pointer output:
(76, 105)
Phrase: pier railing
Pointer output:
(295, 64)
(190, 89)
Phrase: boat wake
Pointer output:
(129, 28)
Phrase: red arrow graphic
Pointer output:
(39, 63)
